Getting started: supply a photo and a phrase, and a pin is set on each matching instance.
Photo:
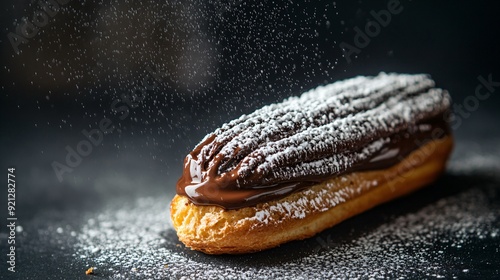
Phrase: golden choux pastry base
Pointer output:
(214, 230)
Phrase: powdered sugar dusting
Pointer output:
(426, 235)
(135, 241)
(311, 201)
(320, 127)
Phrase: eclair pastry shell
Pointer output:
(215, 230)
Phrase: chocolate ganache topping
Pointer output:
(359, 124)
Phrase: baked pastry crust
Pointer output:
(215, 230)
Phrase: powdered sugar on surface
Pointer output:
(136, 241)
(133, 243)
(449, 230)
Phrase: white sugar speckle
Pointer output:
(19, 229)
(313, 134)
(135, 242)
(324, 132)
(261, 216)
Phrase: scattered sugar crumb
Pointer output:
(136, 240)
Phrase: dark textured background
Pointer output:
(221, 59)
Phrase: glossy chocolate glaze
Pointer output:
(203, 184)
(363, 123)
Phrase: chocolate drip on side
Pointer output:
(204, 186)
(364, 123)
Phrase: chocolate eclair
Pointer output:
(290, 170)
